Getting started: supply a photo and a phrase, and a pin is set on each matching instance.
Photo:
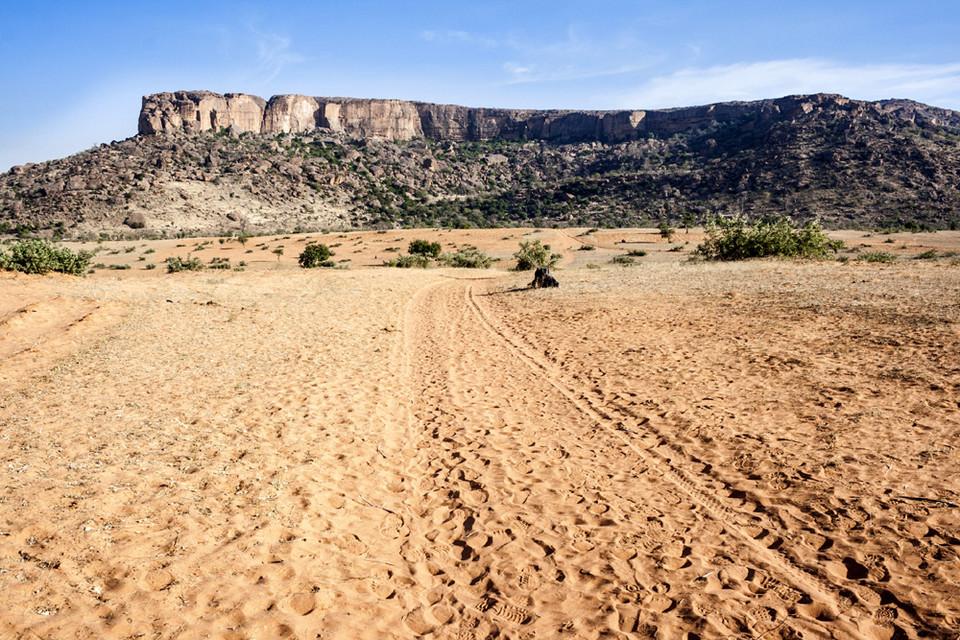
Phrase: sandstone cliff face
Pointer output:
(290, 114)
(194, 111)
(394, 119)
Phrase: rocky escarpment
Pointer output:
(198, 111)
(335, 163)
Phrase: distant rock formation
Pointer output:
(351, 163)
(195, 111)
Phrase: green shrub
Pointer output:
(625, 261)
(176, 264)
(930, 254)
(735, 239)
(876, 256)
(666, 231)
(467, 258)
(587, 247)
(533, 254)
(636, 253)
(315, 255)
(415, 261)
(425, 248)
(220, 263)
(41, 257)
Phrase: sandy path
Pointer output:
(533, 517)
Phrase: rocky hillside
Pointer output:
(205, 163)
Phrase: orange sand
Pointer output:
(670, 450)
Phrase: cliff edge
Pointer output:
(196, 111)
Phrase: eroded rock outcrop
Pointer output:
(195, 111)
(290, 114)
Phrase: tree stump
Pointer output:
(542, 278)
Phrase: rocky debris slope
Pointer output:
(211, 168)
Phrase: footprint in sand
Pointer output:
(392, 525)
(625, 546)
(778, 481)
(416, 622)
(761, 618)
(876, 569)
(782, 591)
(511, 613)
(302, 603)
(349, 543)
(158, 580)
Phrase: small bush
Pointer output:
(533, 254)
(625, 261)
(636, 253)
(467, 258)
(41, 257)
(587, 247)
(931, 254)
(220, 263)
(176, 264)
(876, 256)
(424, 248)
(734, 239)
(315, 255)
(415, 261)
(666, 231)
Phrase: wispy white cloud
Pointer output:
(937, 84)
(459, 36)
(572, 57)
(576, 56)
(535, 72)
(273, 54)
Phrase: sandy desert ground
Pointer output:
(671, 450)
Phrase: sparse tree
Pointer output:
(666, 231)
(424, 248)
(533, 254)
(315, 255)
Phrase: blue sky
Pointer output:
(72, 73)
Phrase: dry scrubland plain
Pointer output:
(670, 450)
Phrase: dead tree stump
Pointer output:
(542, 278)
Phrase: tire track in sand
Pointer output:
(647, 444)
(523, 517)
